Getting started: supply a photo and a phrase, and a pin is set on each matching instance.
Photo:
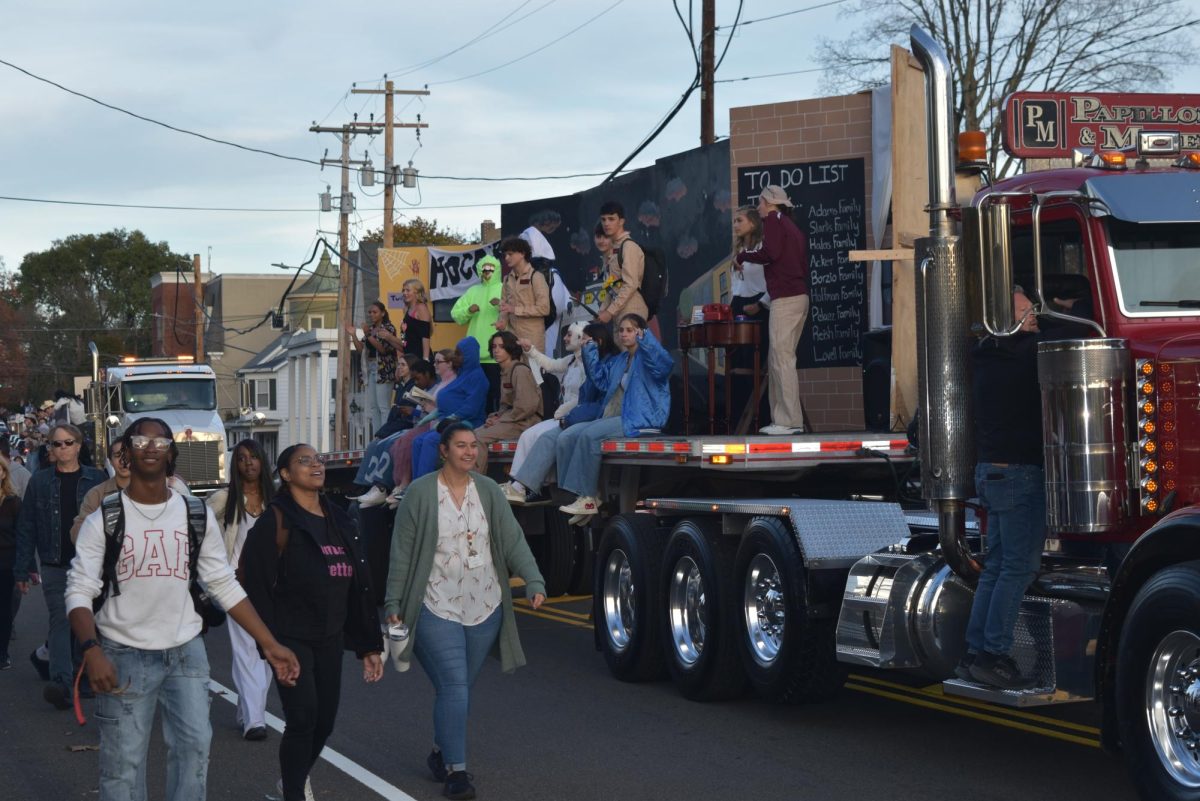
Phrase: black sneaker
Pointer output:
(42, 666)
(255, 734)
(437, 765)
(458, 785)
(963, 668)
(56, 694)
(5, 663)
(1000, 671)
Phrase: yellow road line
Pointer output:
(554, 617)
(566, 612)
(935, 691)
(566, 599)
(966, 713)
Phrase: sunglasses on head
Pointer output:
(62, 443)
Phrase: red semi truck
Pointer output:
(781, 561)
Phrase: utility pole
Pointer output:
(198, 312)
(389, 126)
(708, 35)
(345, 302)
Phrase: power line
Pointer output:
(769, 75)
(215, 208)
(784, 14)
(531, 53)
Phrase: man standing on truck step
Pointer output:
(48, 510)
(783, 253)
(1012, 488)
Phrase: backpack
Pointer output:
(543, 266)
(113, 512)
(654, 278)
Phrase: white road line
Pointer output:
(346, 765)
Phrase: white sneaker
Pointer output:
(278, 795)
(780, 431)
(394, 498)
(579, 520)
(512, 494)
(372, 497)
(583, 505)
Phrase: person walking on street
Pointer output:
(10, 508)
(305, 567)
(784, 256)
(119, 481)
(48, 510)
(479, 309)
(454, 547)
(525, 299)
(142, 649)
(1012, 488)
(626, 267)
(237, 508)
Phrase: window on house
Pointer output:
(264, 394)
(269, 440)
(316, 321)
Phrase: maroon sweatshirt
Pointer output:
(784, 256)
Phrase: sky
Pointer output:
(260, 74)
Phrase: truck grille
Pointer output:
(198, 461)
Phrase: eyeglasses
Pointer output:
(439, 361)
(308, 461)
(141, 442)
(62, 443)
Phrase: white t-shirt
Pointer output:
(750, 281)
(154, 610)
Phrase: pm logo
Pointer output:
(1040, 124)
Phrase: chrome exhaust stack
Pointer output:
(943, 328)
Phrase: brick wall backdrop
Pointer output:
(811, 130)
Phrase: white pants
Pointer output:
(528, 437)
(783, 386)
(251, 677)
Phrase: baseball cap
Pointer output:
(776, 196)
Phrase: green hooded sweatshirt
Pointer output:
(481, 324)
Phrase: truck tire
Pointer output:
(626, 596)
(698, 612)
(1158, 667)
(788, 657)
(581, 571)
(556, 552)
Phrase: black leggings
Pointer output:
(309, 708)
(9, 597)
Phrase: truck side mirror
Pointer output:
(996, 264)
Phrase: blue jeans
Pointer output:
(538, 463)
(578, 452)
(175, 679)
(1014, 497)
(62, 663)
(425, 453)
(376, 465)
(452, 655)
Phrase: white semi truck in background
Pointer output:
(175, 390)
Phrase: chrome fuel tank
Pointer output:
(1087, 429)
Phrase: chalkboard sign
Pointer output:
(830, 198)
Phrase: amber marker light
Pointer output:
(1147, 387)
(1146, 368)
(972, 146)
(1150, 505)
(1149, 445)
(1148, 407)
(1149, 465)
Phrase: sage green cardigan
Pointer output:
(414, 541)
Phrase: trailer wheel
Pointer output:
(788, 657)
(556, 552)
(626, 595)
(698, 612)
(1158, 686)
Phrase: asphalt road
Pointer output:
(562, 728)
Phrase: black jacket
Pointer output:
(1008, 401)
(290, 591)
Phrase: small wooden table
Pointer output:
(727, 334)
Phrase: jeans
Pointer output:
(376, 466)
(528, 438)
(62, 663)
(379, 396)
(310, 709)
(1014, 497)
(8, 560)
(578, 451)
(176, 680)
(539, 460)
(452, 656)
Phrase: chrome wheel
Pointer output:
(686, 611)
(1173, 706)
(620, 620)
(763, 605)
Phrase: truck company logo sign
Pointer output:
(1053, 124)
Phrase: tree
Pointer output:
(418, 231)
(997, 47)
(16, 327)
(91, 287)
